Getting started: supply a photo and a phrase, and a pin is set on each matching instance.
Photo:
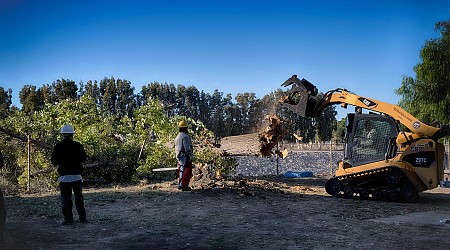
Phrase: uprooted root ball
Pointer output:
(272, 134)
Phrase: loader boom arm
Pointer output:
(304, 100)
(405, 118)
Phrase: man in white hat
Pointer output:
(69, 155)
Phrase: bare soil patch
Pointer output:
(263, 213)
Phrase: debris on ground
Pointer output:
(244, 187)
(204, 179)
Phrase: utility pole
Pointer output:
(448, 154)
(277, 158)
(331, 157)
(29, 163)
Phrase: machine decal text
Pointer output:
(402, 114)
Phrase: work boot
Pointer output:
(186, 189)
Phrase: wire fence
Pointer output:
(321, 146)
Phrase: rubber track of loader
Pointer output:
(363, 173)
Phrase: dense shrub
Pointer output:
(113, 145)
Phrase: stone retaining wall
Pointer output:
(318, 162)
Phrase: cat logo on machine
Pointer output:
(367, 102)
(416, 124)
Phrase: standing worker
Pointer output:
(2, 212)
(184, 155)
(68, 155)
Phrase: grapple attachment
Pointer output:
(302, 97)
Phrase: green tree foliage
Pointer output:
(92, 90)
(222, 114)
(92, 129)
(226, 116)
(5, 102)
(428, 95)
(64, 89)
(112, 145)
(326, 124)
(217, 113)
(247, 105)
(155, 131)
(30, 98)
(339, 133)
(34, 99)
(163, 92)
(127, 134)
(108, 92)
(126, 102)
(47, 95)
(10, 171)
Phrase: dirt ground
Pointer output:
(264, 213)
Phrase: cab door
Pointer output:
(368, 137)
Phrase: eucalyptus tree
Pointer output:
(65, 89)
(326, 124)
(217, 106)
(427, 96)
(31, 99)
(108, 92)
(192, 100)
(205, 109)
(126, 102)
(5, 102)
(92, 90)
(246, 104)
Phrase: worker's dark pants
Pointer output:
(66, 198)
(2, 220)
(184, 175)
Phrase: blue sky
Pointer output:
(234, 46)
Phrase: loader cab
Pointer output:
(369, 138)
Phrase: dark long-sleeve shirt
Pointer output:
(69, 156)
